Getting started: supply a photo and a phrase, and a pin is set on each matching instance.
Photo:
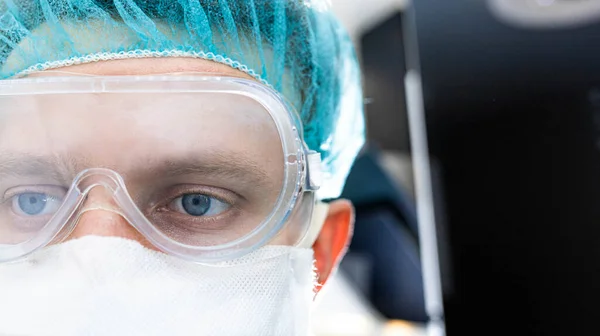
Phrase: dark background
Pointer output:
(514, 123)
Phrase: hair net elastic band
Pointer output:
(108, 56)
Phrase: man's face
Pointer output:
(219, 147)
(182, 158)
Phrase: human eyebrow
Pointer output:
(63, 169)
(220, 165)
(51, 167)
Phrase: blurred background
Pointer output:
(478, 194)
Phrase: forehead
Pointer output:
(114, 125)
(100, 123)
(144, 132)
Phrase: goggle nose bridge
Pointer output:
(94, 177)
(83, 184)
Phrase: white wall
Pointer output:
(360, 15)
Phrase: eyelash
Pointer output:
(42, 189)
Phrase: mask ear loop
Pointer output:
(317, 221)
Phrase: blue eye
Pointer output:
(34, 204)
(198, 205)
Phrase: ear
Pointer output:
(333, 241)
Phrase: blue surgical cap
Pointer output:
(295, 46)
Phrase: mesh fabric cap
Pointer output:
(295, 46)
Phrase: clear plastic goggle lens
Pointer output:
(203, 171)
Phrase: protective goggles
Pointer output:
(205, 168)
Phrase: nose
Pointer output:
(99, 216)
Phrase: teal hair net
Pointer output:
(295, 46)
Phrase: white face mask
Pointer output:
(114, 286)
